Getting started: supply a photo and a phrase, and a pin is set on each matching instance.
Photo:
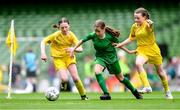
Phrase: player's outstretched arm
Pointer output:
(119, 45)
(43, 51)
(79, 49)
(71, 50)
(76, 48)
(128, 51)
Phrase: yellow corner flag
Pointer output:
(11, 39)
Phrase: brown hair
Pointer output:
(143, 11)
(100, 23)
(63, 20)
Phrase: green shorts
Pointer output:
(112, 68)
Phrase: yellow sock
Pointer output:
(165, 84)
(144, 79)
(80, 87)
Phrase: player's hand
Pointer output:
(119, 45)
(149, 21)
(132, 52)
(71, 51)
(114, 44)
(44, 57)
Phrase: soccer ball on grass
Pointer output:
(52, 94)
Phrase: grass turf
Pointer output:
(71, 101)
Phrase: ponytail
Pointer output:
(55, 26)
(112, 31)
(100, 23)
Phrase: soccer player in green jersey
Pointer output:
(106, 57)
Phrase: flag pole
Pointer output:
(11, 59)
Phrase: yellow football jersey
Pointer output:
(59, 43)
(142, 34)
(146, 42)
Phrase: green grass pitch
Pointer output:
(71, 101)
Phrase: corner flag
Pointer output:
(11, 39)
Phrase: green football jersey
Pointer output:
(104, 48)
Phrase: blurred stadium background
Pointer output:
(34, 21)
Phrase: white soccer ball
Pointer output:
(52, 94)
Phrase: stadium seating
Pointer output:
(37, 22)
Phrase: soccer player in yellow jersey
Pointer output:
(61, 43)
(147, 49)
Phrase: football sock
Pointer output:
(128, 84)
(165, 84)
(101, 82)
(144, 79)
(80, 87)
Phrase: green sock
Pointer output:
(101, 82)
(128, 84)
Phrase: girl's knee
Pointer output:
(139, 65)
(97, 71)
(64, 77)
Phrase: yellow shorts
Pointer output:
(152, 53)
(63, 62)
